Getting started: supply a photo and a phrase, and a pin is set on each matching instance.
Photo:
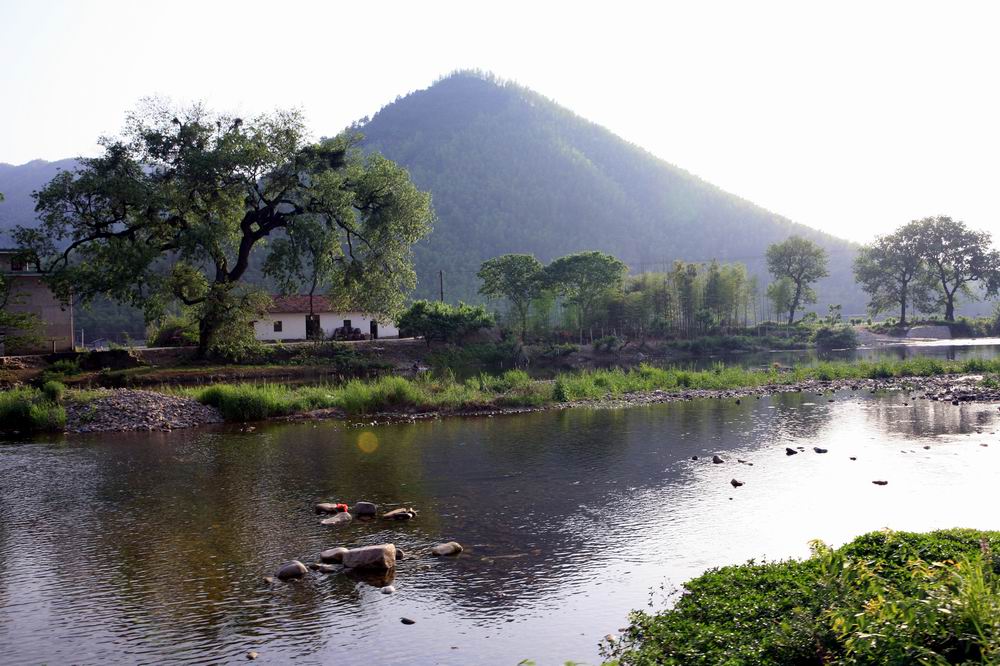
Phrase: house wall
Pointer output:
(30, 294)
(293, 326)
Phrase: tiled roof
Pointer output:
(299, 303)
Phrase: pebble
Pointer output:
(736, 484)
(406, 620)
(130, 409)
(251, 655)
(881, 483)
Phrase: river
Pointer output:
(152, 548)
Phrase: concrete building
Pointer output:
(28, 293)
(288, 319)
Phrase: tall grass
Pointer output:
(28, 409)
(248, 402)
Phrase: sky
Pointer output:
(850, 117)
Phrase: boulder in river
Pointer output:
(736, 484)
(382, 556)
(406, 620)
(717, 460)
(365, 509)
(289, 570)
(337, 520)
(333, 555)
(790, 451)
(400, 514)
(819, 449)
(450, 548)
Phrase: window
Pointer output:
(277, 326)
(17, 265)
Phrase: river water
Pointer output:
(152, 548)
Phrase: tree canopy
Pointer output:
(173, 209)
(516, 277)
(584, 278)
(802, 262)
(892, 271)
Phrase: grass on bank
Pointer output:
(248, 402)
(885, 598)
(33, 410)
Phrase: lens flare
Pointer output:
(367, 442)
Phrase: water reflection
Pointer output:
(153, 547)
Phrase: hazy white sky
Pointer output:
(852, 117)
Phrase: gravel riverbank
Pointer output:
(116, 410)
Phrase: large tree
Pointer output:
(174, 208)
(958, 257)
(584, 278)
(892, 271)
(516, 277)
(802, 262)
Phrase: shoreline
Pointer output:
(125, 410)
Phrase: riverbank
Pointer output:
(884, 598)
(397, 398)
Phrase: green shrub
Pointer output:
(47, 416)
(435, 320)
(885, 598)
(248, 402)
(28, 410)
(835, 337)
(54, 390)
(172, 331)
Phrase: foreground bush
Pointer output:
(835, 337)
(30, 410)
(885, 598)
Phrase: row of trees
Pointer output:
(927, 265)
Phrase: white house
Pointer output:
(288, 319)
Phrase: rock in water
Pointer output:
(790, 451)
(819, 450)
(289, 570)
(382, 556)
(406, 620)
(323, 568)
(717, 460)
(251, 655)
(388, 589)
(327, 507)
(333, 555)
(337, 520)
(400, 514)
(736, 484)
(694, 457)
(450, 548)
(881, 483)
(365, 509)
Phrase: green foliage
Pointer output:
(435, 320)
(30, 410)
(885, 598)
(894, 273)
(584, 278)
(835, 337)
(609, 343)
(801, 262)
(516, 277)
(172, 331)
(54, 391)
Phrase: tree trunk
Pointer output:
(949, 307)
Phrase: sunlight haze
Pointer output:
(850, 117)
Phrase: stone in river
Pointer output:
(406, 620)
(365, 509)
(328, 507)
(881, 483)
(337, 520)
(388, 589)
(736, 484)
(382, 556)
(450, 548)
(717, 460)
(289, 570)
(790, 451)
(818, 449)
(323, 568)
(333, 555)
(400, 514)
(251, 655)
(694, 457)
(853, 458)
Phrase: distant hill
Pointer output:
(16, 184)
(512, 171)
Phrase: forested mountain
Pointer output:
(16, 184)
(511, 171)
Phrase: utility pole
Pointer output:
(441, 284)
